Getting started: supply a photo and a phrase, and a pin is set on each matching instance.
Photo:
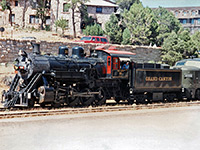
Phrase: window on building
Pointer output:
(33, 19)
(13, 18)
(98, 9)
(198, 21)
(16, 3)
(48, 20)
(191, 21)
(48, 4)
(184, 21)
(184, 13)
(176, 13)
(66, 7)
(193, 13)
(115, 9)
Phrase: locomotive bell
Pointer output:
(63, 50)
(77, 52)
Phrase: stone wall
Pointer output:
(9, 49)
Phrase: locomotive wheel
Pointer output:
(197, 94)
(101, 97)
(130, 101)
(73, 100)
(140, 99)
(169, 97)
(42, 105)
(86, 101)
(55, 104)
(117, 99)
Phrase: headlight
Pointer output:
(131, 91)
(16, 67)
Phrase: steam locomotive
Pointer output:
(78, 80)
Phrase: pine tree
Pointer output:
(141, 23)
(126, 4)
(126, 37)
(178, 46)
(167, 23)
(113, 30)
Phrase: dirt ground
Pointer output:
(5, 72)
(38, 34)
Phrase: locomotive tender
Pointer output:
(78, 80)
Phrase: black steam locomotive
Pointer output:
(78, 80)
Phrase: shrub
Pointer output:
(94, 30)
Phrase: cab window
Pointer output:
(116, 63)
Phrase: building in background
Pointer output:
(99, 10)
(188, 12)
(24, 13)
(188, 16)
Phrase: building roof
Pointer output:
(182, 8)
(170, 3)
(105, 3)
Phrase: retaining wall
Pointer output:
(9, 49)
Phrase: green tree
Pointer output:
(126, 4)
(196, 40)
(167, 23)
(6, 5)
(43, 8)
(126, 37)
(75, 6)
(85, 18)
(172, 57)
(94, 30)
(63, 24)
(113, 30)
(178, 46)
(141, 23)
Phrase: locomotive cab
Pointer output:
(114, 61)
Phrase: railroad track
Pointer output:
(65, 111)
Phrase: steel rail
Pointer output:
(65, 111)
